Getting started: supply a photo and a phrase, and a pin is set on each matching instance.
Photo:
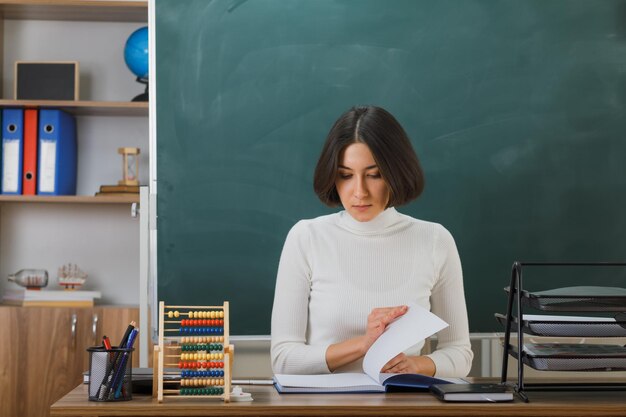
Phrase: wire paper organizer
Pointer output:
(551, 356)
(193, 340)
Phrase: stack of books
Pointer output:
(42, 298)
(118, 190)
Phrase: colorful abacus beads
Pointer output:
(196, 347)
(195, 326)
(206, 314)
(173, 314)
(219, 314)
(183, 364)
(202, 382)
(202, 322)
(202, 391)
(202, 356)
(202, 350)
(202, 339)
(201, 330)
(202, 374)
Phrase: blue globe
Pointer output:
(136, 53)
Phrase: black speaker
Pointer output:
(46, 80)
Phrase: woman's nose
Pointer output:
(360, 190)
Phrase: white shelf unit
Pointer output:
(99, 235)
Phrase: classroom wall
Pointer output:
(102, 239)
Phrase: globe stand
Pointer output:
(143, 96)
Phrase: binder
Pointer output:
(57, 153)
(29, 179)
(12, 150)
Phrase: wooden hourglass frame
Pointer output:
(130, 165)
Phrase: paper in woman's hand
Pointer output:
(414, 326)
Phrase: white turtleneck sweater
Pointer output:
(334, 270)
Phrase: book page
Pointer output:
(413, 327)
(347, 380)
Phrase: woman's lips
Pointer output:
(362, 207)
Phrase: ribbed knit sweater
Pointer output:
(334, 270)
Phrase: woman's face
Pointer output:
(362, 191)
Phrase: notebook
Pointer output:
(472, 392)
(414, 326)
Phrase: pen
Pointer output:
(107, 345)
(110, 376)
(106, 342)
(109, 368)
(122, 368)
(129, 329)
(252, 382)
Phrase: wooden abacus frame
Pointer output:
(176, 342)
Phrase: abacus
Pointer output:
(193, 339)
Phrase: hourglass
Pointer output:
(131, 166)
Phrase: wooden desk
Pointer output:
(267, 402)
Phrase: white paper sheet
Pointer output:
(414, 326)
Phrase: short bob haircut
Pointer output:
(390, 146)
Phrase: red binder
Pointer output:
(29, 179)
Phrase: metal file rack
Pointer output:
(564, 357)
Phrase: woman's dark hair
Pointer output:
(390, 147)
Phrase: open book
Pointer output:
(414, 326)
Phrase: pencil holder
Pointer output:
(110, 374)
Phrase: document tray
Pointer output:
(573, 357)
(551, 327)
(584, 298)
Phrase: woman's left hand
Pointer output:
(403, 364)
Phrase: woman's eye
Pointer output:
(344, 176)
(376, 175)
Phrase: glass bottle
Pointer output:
(30, 278)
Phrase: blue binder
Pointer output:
(12, 150)
(57, 153)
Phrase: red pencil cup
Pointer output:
(110, 374)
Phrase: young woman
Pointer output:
(344, 277)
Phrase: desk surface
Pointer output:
(267, 402)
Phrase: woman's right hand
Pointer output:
(343, 353)
(377, 322)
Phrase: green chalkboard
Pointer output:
(517, 109)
